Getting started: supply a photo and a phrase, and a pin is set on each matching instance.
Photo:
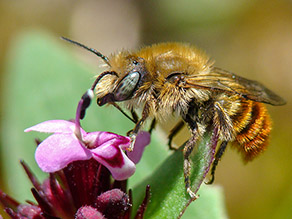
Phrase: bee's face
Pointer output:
(127, 74)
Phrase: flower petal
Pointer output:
(142, 140)
(58, 150)
(112, 157)
(95, 139)
(53, 126)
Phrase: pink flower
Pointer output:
(71, 143)
(64, 147)
(80, 164)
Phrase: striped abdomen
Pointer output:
(252, 125)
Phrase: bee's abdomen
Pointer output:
(253, 126)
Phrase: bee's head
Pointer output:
(122, 81)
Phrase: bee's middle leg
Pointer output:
(152, 125)
(173, 132)
(188, 148)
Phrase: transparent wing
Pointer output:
(219, 79)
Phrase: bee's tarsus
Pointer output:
(133, 140)
(192, 194)
(188, 148)
(211, 180)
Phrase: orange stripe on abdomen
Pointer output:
(242, 118)
(253, 138)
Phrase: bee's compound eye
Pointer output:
(127, 86)
(174, 77)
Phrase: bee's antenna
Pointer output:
(105, 59)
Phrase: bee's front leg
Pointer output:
(134, 115)
(133, 134)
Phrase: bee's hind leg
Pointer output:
(218, 156)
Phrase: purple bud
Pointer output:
(113, 203)
(29, 211)
(88, 212)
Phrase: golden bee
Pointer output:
(175, 78)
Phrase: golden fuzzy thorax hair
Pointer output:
(160, 60)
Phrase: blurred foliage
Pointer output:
(251, 38)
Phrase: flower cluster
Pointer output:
(81, 190)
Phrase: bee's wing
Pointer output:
(218, 79)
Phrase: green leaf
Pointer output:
(167, 183)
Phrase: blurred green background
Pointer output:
(252, 38)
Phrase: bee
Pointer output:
(175, 78)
